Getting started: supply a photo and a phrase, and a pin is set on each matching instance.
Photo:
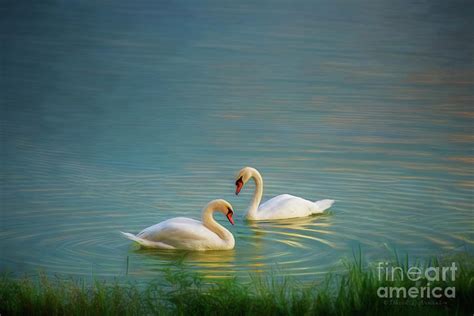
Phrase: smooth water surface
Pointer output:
(119, 114)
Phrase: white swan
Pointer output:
(281, 206)
(190, 234)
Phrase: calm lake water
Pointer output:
(117, 115)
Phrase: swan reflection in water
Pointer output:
(294, 232)
(211, 264)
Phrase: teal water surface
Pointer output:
(117, 115)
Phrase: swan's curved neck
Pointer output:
(209, 221)
(257, 196)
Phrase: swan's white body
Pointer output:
(289, 206)
(189, 234)
(281, 206)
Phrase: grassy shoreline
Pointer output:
(352, 292)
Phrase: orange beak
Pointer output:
(229, 217)
(238, 186)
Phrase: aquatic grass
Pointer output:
(54, 296)
(352, 291)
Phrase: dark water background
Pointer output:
(116, 115)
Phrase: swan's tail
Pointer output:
(322, 205)
(147, 243)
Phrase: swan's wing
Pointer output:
(285, 201)
(285, 206)
(177, 231)
(275, 201)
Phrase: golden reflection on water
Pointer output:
(212, 264)
(293, 230)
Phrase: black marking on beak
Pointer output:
(239, 181)
(238, 185)
(229, 215)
